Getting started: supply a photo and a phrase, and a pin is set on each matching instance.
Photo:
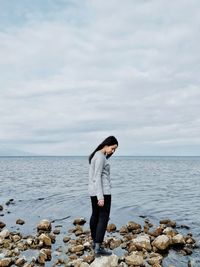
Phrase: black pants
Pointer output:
(99, 218)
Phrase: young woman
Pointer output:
(99, 189)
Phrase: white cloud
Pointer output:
(71, 77)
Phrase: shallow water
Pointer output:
(56, 188)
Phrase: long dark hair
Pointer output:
(109, 141)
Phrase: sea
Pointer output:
(143, 187)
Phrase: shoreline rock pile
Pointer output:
(141, 246)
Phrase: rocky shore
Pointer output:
(145, 245)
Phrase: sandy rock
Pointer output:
(79, 221)
(161, 242)
(111, 227)
(142, 241)
(45, 239)
(110, 261)
(5, 262)
(134, 259)
(44, 225)
(178, 239)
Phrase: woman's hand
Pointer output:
(101, 202)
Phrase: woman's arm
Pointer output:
(99, 164)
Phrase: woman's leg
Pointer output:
(94, 217)
(104, 213)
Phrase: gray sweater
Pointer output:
(99, 176)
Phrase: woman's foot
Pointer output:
(101, 251)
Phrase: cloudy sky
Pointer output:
(74, 72)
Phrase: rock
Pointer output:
(19, 221)
(158, 231)
(155, 259)
(44, 225)
(5, 262)
(16, 238)
(2, 225)
(4, 233)
(56, 231)
(84, 264)
(189, 240)
(45, 239)
(47, 252)
(111, 227)
(66, 239)
(170, 231)
(114, 243)
(123, 230)
(168, 222)
(20, 261)
(1, 207)
(142, 241)
(133, 226)
(134, 259)
(79, 221)
(88, 258)
(161, 242)
(109, 261)
(178, 239)
(76, 248)
(42, 257)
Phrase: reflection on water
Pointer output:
(56, 188)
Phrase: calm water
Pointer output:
(56, 188)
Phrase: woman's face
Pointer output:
(110, 149)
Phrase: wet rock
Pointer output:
(111, 227)
(111, 261)
(4, 233)
(20, 261)
(20, 221)
(155, 259)
(44, 225)
(16, 238)
(88, 258)
(47, 252)
(142, 241)
(123, 230)
(5, 262)
(2, 224)
(115, 242)
(158, 231)
(45, 239)
(135, 258)
(1, 207)
(168, 222)
(79, 221)
(170, 231)
(133, 226)
(66, 239)
(161, 242)
(10, 201)
(178, 239)
(76, 248)
(189, 240)
(42, 257)
(56, 231)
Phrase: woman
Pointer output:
(99, 189)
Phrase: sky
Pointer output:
(74, 72)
